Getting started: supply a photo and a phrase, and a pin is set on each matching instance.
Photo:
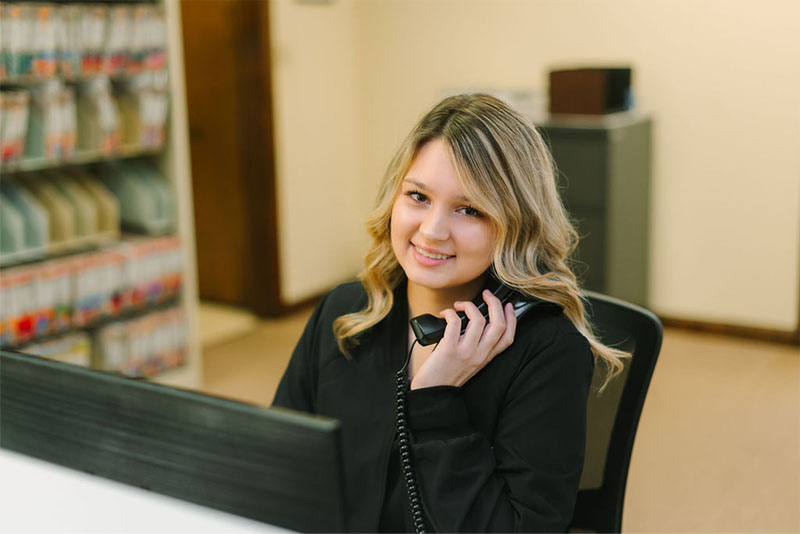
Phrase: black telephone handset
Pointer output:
(429, 329)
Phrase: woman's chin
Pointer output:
(435, 281)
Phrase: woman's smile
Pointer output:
(440, 237)
(430, 257)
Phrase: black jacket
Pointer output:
(504, 452)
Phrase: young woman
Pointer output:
(492, 421)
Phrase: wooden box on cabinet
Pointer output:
(604, 177)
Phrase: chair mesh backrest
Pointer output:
(600, 415)
(613, 415)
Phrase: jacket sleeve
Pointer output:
(297, 389)
(527, 478)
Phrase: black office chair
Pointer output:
(613, 415)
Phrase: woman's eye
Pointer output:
(417, 196)
(472, 212)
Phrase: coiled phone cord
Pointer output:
(405, 448)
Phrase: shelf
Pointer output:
(126, 315)
(26, 82)
(80, 158)
(25, 257)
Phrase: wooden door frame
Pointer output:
(258, 152)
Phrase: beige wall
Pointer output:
(318, 145)
(722, 83)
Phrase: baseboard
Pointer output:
(763, 334)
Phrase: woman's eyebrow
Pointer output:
(422, 186)
(416, 183)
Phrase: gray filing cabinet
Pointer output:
(603, 164)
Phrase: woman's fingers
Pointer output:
(458, 357)
(484, 339)
(452, 331)
(497, 320)
(475, 326)
(507, 338)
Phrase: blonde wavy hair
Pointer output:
(506, 170)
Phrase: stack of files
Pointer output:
(111, 39)
(12, 229)
(82, 205)
(13, 124)
(154, 269)
(119, 24)
(25, 225)
(92, 21)
(52, 122)
(99, 286)
(108, 217)
(98, 117)
(143, 104)
(36, 300)
(54, 212)
(19, 318)
(142, 347)
(70, 35)
(61, 214)
(148, 39)
(54, 284)
(145, 197)
(75, 291)
(40, 40)
(16, 39)
(29, 39)
(44, 39)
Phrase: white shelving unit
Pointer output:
(174, 163)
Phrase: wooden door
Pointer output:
(226, 47)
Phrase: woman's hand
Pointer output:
(458, 357)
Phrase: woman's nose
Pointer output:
(435, 225)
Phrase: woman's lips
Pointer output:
(429, 257)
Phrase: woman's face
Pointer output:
(439, 238)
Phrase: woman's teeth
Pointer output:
(431, 255)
